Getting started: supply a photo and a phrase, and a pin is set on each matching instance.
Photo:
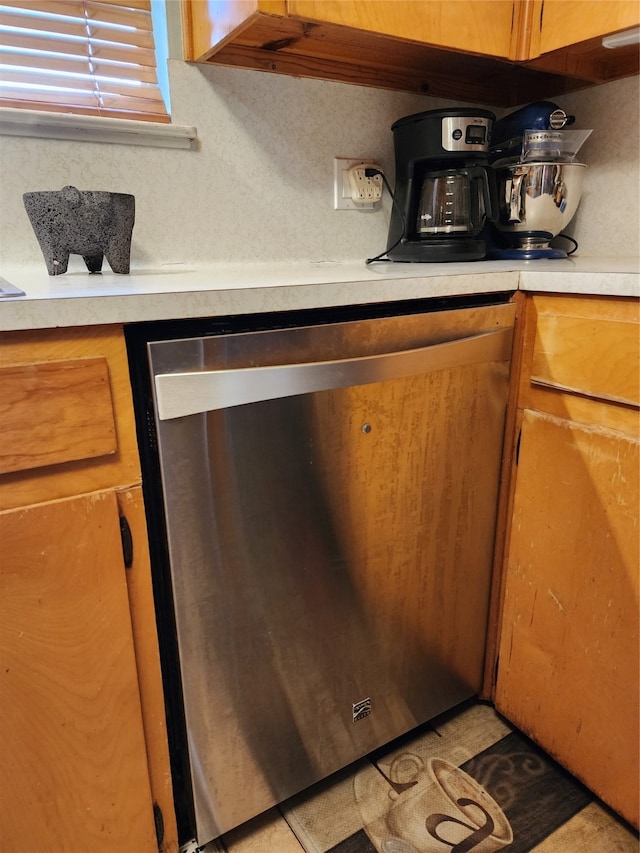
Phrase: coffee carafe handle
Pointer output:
(480, 173)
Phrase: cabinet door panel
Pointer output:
(568, 665)
(74, 769)
(567, 22)
(463, 25)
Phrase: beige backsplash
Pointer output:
(260, 185)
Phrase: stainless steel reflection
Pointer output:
(538, 197)
(180, 394)
(330, 549)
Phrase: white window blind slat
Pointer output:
(63, 30)
(86, 56)
(37, 63)
(35, 80)
(104, 11)
(44, 44)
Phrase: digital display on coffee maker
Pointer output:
(476, 134)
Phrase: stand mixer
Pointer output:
(538, 182)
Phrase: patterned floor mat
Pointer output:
(470, 784)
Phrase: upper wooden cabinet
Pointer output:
(566, 38)
(463, 25)
(467, 49)
(564, 23)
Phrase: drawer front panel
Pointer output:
(55, 412)
(590, 347)
(66, 414)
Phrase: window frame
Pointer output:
(48, 124)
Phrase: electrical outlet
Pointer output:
(363, 189)
(352, 190)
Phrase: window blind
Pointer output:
(94, 57)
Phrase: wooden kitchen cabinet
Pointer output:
(396, 44)
(562, 23)
(567, 671)
(566, 38)
(82, 731)
(446, 49)
(463, 25)
(74, 761)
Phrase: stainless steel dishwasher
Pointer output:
(329, 498)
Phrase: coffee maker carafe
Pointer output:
(442, 197)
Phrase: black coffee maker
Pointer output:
(442, 198)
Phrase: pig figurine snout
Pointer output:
(88, 223)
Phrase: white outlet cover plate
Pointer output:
(342, 188)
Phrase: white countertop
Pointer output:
(181, 291)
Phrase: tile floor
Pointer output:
(593, 830)
(270, 833)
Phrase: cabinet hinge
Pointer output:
(159, 824)
(127, 542)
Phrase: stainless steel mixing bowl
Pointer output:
(536, 201)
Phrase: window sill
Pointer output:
(80, 128)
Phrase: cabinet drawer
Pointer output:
(66, 414)
(55, 412)
(589, 347)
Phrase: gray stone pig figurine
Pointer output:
(90, 223)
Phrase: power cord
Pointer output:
(570, 240)
(370, 173)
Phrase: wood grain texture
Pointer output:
(145, 640)
(463, 25)
(446, 49)
(55, 412)
(568, 650)
(74, 769)
(589, 61)
(568, 672)
(209, 24)
(524, 18)
(566, 38)
(52, 346)
(325, 51)
(595, 355)
(599, 360)
(562, 23)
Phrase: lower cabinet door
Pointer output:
(73, 772)
(568, 665)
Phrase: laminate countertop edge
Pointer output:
(183, 291)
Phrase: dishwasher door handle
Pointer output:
(182, 394)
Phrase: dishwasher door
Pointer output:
(330, 499)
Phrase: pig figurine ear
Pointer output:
(71, 195)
